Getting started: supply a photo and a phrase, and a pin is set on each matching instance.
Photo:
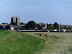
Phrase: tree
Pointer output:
(47, 25)
(31, 25)
(50, 27)
(68, 28)
(64, 27)
(56, 25)
(23, 23)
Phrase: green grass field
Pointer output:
(38, 43)
(55, 43)
(16, 43)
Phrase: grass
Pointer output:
(55, 43)
(38, 43)
(16, 43)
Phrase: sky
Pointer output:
(46, 11)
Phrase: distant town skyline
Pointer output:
(46, 11)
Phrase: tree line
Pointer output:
(31, 25)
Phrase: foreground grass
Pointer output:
(38, 43)
(55, 43)
(16, 43)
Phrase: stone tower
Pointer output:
(15, 21)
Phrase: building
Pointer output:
(42, 26)
(15, 21)
(65, 25)
(4, 26)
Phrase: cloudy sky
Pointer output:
(47, 11)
